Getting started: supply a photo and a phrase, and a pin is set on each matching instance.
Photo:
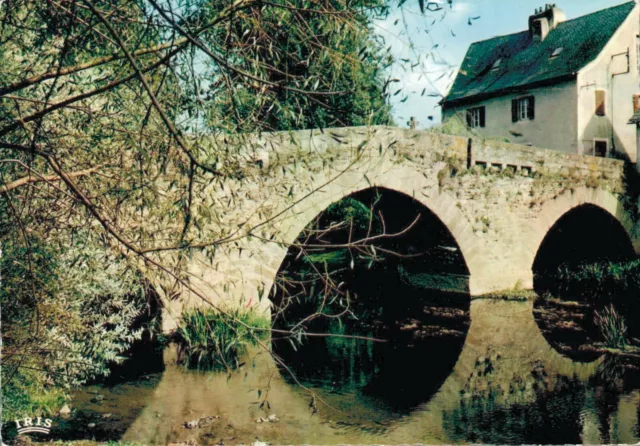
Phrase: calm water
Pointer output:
(500, 382)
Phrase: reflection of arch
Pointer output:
(506, 327)
(402, 180)
(553, 211)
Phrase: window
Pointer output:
(556, 52)
(476, 117)
(537, 28)
(600, 147)
(601, 98)
(496, 64)
(523, 108)
(636, 103)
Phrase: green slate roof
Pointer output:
(526, 62)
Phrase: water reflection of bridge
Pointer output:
(530, 394)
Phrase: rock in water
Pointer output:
(193, 424)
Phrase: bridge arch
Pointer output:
(402, 180)
(554, 211)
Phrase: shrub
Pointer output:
(455, 126)
(213, 340)
(68, 311)
(27, 393)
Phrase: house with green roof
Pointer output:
(567, 85)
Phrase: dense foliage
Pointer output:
(330, 55)
(114, 118)
(67, 312)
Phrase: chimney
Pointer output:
(544, 20)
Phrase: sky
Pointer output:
(429, 48)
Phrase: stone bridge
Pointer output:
(498, 200)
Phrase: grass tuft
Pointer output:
(211, 340)
(612, 327)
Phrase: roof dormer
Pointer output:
(544, 20)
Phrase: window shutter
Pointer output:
(482, 116)
(531, 110)
(600, 103)
(469, 118)
(514, 110)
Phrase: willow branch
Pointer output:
(45, 178)
(156, 104)
(219, 60)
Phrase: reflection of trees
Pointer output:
(384, 374)
(530, 412)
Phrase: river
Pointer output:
(501, 382)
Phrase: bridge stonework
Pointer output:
(498, 200)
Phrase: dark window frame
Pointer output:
(600, 142)
(519, 113)
(479, 121)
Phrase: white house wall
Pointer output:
(620, 91)
(554, 126)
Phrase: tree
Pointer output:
(341, 56)
(109, 113)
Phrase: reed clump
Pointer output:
(213, 340)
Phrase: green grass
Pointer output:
(331, 258)
(510, 295)
(212, 340)
(612, 327)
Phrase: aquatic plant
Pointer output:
(597, 281)
(215, 340)
(612, 327)
(601, 284)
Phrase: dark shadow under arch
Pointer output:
(414, 296)
(586, 236)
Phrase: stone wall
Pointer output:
(608, 172)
